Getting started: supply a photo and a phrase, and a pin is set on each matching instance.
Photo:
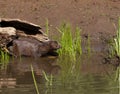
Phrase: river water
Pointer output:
(88, 76)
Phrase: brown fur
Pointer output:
(32, 47)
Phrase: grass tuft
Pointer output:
(4, 59)
(70, 46)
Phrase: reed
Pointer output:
(77, 40)
(4, 59)
(117, 75)
(49, 79)
(70, 45)
(117, 40)
(88, 46)
(35, 82)
(66, 40)
(47, 26)
(70, 69)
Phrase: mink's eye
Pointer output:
(46, 39)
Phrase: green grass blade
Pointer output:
(46, 78)
(35, 83)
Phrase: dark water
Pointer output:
(88, 76)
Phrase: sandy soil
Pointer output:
(93, 16)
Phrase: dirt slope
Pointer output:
(93, 16)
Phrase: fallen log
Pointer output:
(27, 27)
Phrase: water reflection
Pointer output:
(88, 76)
(79, 78)
(18, 71)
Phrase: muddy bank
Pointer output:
(92, 16)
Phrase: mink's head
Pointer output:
(48, 47)
(54, 45)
